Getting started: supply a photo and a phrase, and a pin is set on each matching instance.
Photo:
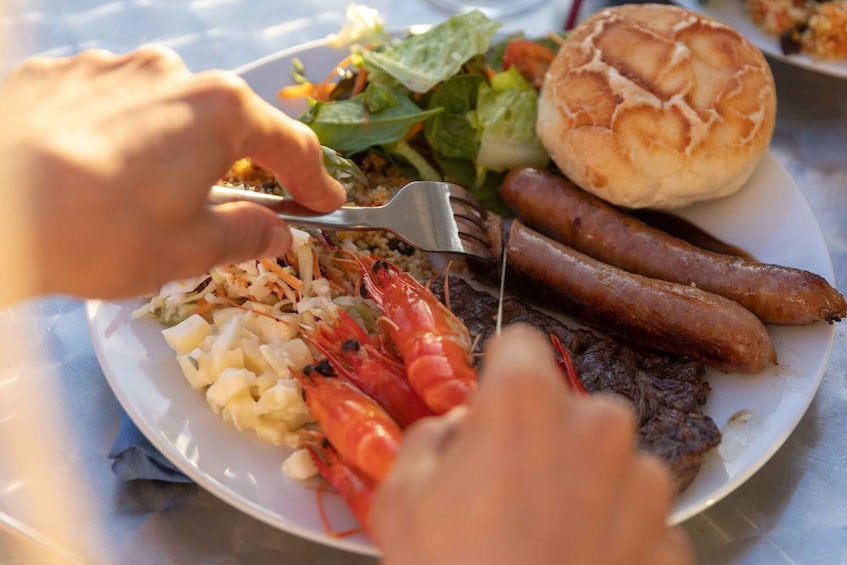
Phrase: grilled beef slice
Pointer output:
(667, 392)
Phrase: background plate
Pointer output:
(769, 218)
(733, 12)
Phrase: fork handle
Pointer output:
(345, 217)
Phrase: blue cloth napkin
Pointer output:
(134, 457)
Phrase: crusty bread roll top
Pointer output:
(655, 106)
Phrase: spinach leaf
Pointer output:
(349, 126)
(451, 133)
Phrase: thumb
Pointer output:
(239, 231)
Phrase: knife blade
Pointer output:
(499, 324)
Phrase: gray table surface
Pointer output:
(794, 510)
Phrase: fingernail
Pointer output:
(280, 241)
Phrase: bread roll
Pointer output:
(654, 106)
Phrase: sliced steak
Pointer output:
(668, 392)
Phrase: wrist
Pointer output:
(23, 255)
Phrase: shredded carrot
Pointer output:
(277, 290)
(324, 88)
(413, 131)
(318, 91)
(292, 281)
(203, 307)
(338, 287)
(296, 91)
(291, 257)
(289, 279)
(361, 81)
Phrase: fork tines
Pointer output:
(470, 217)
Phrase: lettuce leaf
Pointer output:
(506, 112)
(419, 62)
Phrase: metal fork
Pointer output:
(440, 217)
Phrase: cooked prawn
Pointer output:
(364, 435)
(356, 359)
(434, 345)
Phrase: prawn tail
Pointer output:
(354, 487)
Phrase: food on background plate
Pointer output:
(556, 207)
(655, 106)
(818, 28)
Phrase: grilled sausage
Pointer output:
(658, 314)
(776, 294)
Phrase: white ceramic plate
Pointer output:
(733, 12)
(769, 218)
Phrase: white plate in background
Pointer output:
(734, 13)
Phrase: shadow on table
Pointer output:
(194, 525)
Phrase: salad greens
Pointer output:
(506, 111)
(436, 104)
(420, 62)
(350, 126)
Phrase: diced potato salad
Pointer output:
(237, 333)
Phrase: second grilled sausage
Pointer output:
(657, 314)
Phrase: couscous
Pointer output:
(818, 29)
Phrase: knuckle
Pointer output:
(95, 56)
(308, 140)
(609, 419)
(157, 55)
(228, 99)
(516, 397)
(225, 86)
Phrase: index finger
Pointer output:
(282, 144)
(519, 354)
(519, 375)
(292, 152)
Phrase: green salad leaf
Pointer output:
(419, 62)
(349, 126)
(506, 112)
(452, 133)
(476, 127)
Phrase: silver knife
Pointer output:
(499, 323)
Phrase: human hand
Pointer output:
(529, 473)
(108, 160)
